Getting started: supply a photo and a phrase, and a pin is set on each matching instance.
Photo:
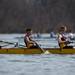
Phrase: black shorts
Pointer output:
(68, 47)
(34, 46)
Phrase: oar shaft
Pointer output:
(15, 43)
(40, 48)
(7, 42)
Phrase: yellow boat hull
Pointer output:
(36, 51)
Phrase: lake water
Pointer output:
(52, 64)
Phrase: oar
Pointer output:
(68, 42)
(44, 51)
(12, 43)
(6, 42)
(3, 46)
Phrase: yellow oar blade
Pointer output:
(46, 52)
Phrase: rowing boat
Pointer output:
(36, 51)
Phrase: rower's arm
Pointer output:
(29, 41)
(60, 40)
(63, 41)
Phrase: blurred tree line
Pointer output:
(40, 15)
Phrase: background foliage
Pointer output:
(40, 15)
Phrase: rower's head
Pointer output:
(63, 29)
(28, 31)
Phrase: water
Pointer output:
(43, 64)
(37, 64)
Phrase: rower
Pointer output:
(28, 40)
(63, 41)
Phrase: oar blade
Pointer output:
(46, 52)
